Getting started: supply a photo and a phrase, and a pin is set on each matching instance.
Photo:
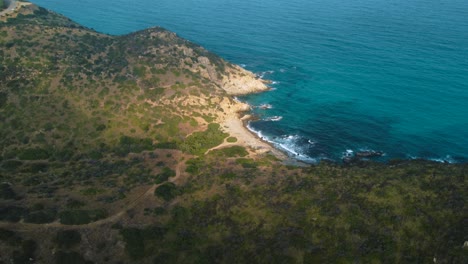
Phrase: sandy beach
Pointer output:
(234, 121)
(236, 128)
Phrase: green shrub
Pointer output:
(74, 204)
(130, 144)
(154, 93)
(33, 154)
(67, 238)
(231, 139)
(246, 163)
(134, 243)
(9, 237)
(165, 175)
(6, 192)
(166, 145)
(194, 165)
(199, 142)
(81, 217)
(142, 242)
(167, 191)
(29, 249)
(228, 176)
(62, 257)
(37, 167)
(11, 213)
(92, 191)
(3, 96)
(41, 217)
(234, 151)
(11, 164)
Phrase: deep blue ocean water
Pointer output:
(386, 75)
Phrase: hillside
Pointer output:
(121, 149)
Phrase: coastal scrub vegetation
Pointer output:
(114, 142)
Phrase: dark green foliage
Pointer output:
(130, 144)
(140, 242)
(194, 165)
(11, 164)
(6, 192)
(154, 93)
(33, 154)
(247, 163)
(36, 167)
(81, 217)
(11, 213)
(231, 139)
(74, 204)
(67, 238)
(234, 151)
(41, 216)
(95, 155)
(164, 175)
(165, 258)
(139, 71)
(408, 213)
(9, 237)
(134, 246)
(199, 142)
(166, 145)
(167, 191)
(228, 175)
(3, 98)
(62, 257)
(26, 254)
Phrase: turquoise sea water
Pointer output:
(387, 75)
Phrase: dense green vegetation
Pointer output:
(106, 143)
(2, 4)
(409, 212)
(199, 142)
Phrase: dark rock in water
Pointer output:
(369, 154)
(348, 160)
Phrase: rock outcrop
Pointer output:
(240, 82)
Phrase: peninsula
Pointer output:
(131, 149)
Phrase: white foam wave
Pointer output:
(287, 143)
(446, 159)
(265, 106)
(273, 118)
(261, 75)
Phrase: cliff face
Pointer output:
(240, 81)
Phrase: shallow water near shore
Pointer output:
(389, 76)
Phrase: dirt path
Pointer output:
(10, 9)
(24, 227)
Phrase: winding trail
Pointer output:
(24, 227)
